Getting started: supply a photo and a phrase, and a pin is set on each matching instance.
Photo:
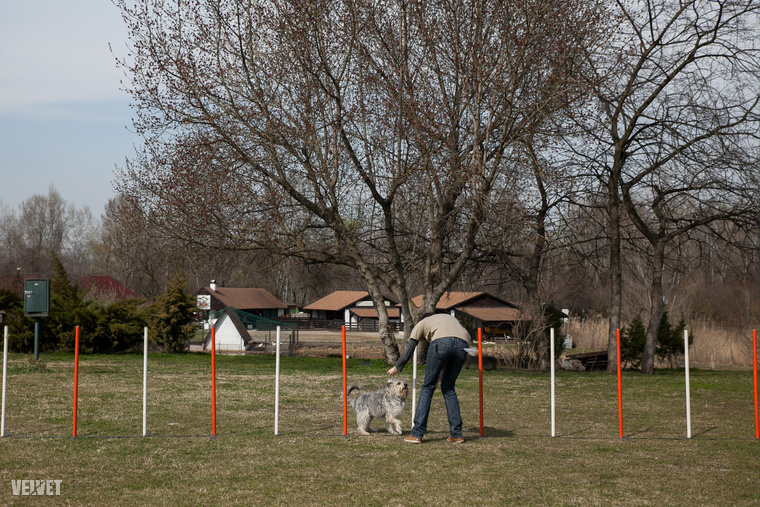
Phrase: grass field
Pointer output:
(312, 463)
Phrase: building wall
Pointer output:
(227, 336)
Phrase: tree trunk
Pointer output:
(658, 308)
(390, 347)
(616, 280)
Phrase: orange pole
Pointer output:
(620, 387)
(213, 382)
(480, 375)
(76, 380)
(754, 362)
(345, 392)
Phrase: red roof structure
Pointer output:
(12, 284)
(98, 287)
(102, 287)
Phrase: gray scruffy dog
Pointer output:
(387, 403)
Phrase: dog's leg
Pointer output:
(362, 422)
(394, 425)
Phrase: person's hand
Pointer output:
(392, 371)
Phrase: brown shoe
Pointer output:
(455, 440)
(413, 440)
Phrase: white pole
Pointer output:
(145, 382)
(686, 367)
(277, 386)
(414, 384)
(5, 379)
(551, 347)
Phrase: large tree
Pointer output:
(372, 134)
(676, 115)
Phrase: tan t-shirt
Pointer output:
(440, 325)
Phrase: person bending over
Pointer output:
(445, 358)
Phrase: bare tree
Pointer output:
(678, 101)
(364, 134)
(47, 224)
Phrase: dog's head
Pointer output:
(398, 388)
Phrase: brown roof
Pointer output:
(451, 300)
(493, 314)
(370, 313)
(245, 298)
(338, 300)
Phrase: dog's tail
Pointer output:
(351, 388)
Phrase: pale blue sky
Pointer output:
(64, 117)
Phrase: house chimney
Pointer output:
(213, 285)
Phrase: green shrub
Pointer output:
(669, 341)
(172, 315)
(632, 342)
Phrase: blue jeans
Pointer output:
(445, 359)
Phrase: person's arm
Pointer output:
(405, 357)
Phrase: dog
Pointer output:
(388, 403)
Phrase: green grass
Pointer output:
(312, 463)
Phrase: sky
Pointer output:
(65, 119)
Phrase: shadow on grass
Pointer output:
(704, 431)
(640, 432)
(491, 432)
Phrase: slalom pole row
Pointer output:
(687, 383)
(74, 433)
(345, 396)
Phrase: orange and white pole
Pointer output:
(551, 356)
(277, 385)
(620, 387)
(5, 379)
(754, 362)
(213, 381)
(345, 391)
(76, 380)
(480, 375)
(145, 381)
(414, 384)
(688, 390)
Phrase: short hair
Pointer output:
(426, 315)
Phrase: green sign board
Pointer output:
(37, 297)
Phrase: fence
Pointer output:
(369, 326)
(264, 331)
